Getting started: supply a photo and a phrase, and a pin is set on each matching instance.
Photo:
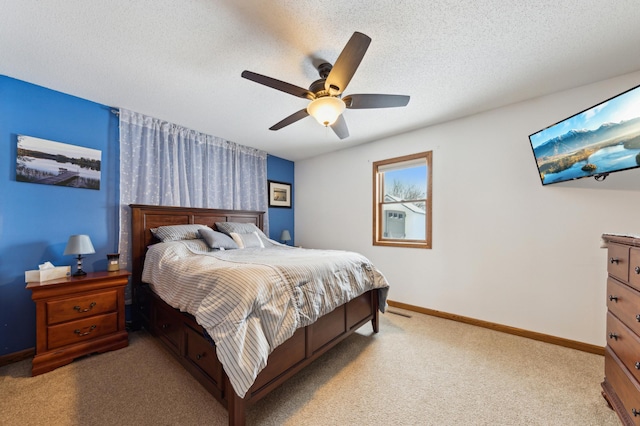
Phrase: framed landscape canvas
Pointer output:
(56, 163)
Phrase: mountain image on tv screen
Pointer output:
(595, 142)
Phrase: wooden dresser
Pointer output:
(77, 316)
(621, 386)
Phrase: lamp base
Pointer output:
(79, 272)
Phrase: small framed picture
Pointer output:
(279, 194)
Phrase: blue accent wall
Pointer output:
(280, 218)
(36, 220)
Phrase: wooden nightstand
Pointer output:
(77, 316)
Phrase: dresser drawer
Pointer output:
(81, 330)
(618, 261)
(82, 306)
(201, 353)
(634, 267)
(624, 302)
(625, 343)
(626, 388)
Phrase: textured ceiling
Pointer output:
(181, 60)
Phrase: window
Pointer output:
(402, 201)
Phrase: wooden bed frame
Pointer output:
(184, 338)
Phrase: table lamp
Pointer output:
(285, 236)
(79, 245)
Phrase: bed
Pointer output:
(193, 345)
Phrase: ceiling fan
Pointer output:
(325, 94)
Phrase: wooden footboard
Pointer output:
(186, 340)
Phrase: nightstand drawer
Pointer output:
(81, 330)
(80, 307)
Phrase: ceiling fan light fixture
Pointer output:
(326, 110)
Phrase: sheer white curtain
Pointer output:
(165, 164)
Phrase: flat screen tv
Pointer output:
(595, 142)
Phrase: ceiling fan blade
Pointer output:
(364, 101)
(347, 63)
(290, 119)
(278, 85)
(340, 127)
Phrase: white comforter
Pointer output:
(252, 300)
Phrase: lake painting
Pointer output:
(55, 163)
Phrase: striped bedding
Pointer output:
(252, 300)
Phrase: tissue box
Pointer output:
(46, 274)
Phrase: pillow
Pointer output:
(237, 227)
(243, 228)
(247, 240)
(217, 240)
(177, 232)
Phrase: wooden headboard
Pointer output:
(144, 217)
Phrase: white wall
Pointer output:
(505, 249)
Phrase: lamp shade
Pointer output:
(326, 109)
(285, 236)
(79, 244)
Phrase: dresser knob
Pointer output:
(79, 309)
(613, 336)
(635, 412)
(200, 356)
(637, 269)
(637, 365)
(614, 260)
(80, 333)
(638, 317)
(613, 298)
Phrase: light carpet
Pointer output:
(420, 370)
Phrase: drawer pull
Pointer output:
(80, 333)
(637, 365)
(635, 412)
(79, 309)
(613, 298)
(614, 260)
(638, 317)
(613, 336)
(165, 326)
(200, 356)
(637, 269)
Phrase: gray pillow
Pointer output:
(237, 227)
(177, 232)
(247, 240)
(243, 228)
(217, 240)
